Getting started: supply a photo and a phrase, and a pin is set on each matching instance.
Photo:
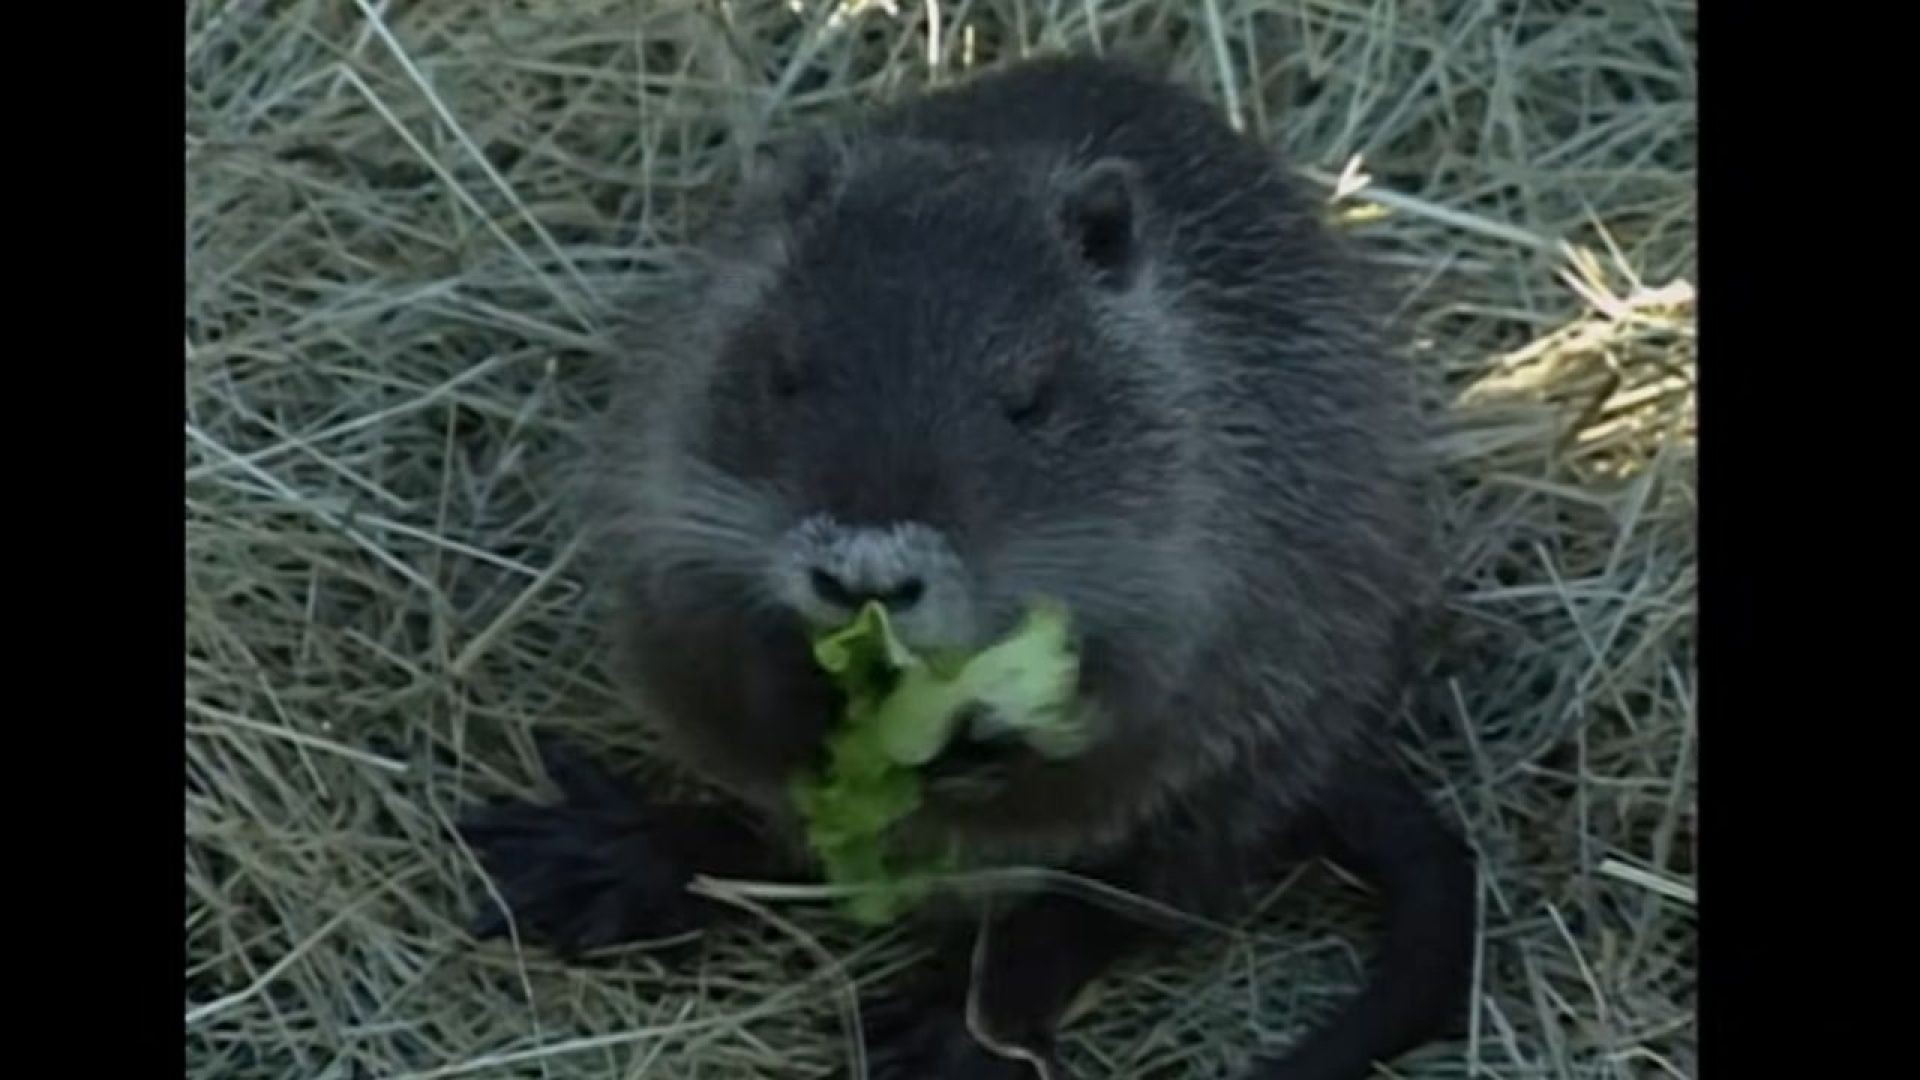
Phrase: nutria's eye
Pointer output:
(1030, 388)
(783, 377)
(1033, 403)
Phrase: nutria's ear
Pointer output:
(1099, 209)
(795, 172)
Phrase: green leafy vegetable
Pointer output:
(902, 710)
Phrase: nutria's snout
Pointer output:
(826, 571)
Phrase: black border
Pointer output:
(1782, 742)
(111, 240)
(96, 242)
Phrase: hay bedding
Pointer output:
(409, 225)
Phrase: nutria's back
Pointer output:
(1059, 332)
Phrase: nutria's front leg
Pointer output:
(603, 867)
(1380, 827)
(1036, 959)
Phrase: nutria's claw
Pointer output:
(583, 874)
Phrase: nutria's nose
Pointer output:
(895, 596)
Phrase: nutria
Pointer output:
(1058, 331)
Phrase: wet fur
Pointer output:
(1228, 497)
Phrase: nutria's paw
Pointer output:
(585, 873)
(910, 1038)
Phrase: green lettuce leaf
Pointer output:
(901, 711)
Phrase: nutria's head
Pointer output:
(947, 380)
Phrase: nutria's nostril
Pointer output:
(833, 590)
(904, 595)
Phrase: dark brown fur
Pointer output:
(1057, 332)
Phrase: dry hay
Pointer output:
(408, 224)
